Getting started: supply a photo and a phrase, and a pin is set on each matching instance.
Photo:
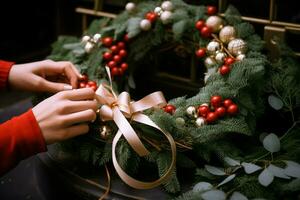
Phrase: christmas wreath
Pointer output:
(239, 135)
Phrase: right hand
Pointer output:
(66, 114)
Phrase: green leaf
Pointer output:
(238, 196)
(272, 143)
(226, 180)
(133, 28)
(214, 194)
(275, 102)
(231, 162)
(250, 168)
(215, 170)
(292, 169)
(265, 178)
(202, 186)
(277, 171)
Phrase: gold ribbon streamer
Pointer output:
(118, 108)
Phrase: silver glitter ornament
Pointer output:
(215, 23)
(227, 34)
(237, 47)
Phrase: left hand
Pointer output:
(44, 76)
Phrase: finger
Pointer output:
(79, 94)
(76, 130)
(76, 106)
(80, 117)
(53, 87)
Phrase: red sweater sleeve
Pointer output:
(4, 71)
(20, 138)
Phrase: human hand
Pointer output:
(66, 114)
(44, 76)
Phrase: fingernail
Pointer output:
(68, 87)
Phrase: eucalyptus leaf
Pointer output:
(275, 102)
(265, 178)
(250, 168)
(231, 161)
(131, 82)
(215, 170)
(226, 180)
(277, 171)
(214, 194)
(292, 169)
(238, 196)
(272, 143)
(133, 28)
(202, 186)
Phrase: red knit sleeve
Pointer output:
(4, 71)
(20, 138)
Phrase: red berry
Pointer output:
(200, 53)
(84, 78)
(216, 101)
(211, 10)
(107, 56)
(82, 85)
(114, 49)
(205, 32)
(117, 58)
(91, 83)
(151, 16)
(126, 38)
(227, 102)
(123, 53)
(107, 41)
(203, 110)
(112, 64)
(121, 71)
(94, 87)
(200, 24)
(225, 69)
(114, 71)
(124, 66)
(211, 117)
(169, 109)
(229, 60)
(121, 45)
(232, 109)
(220, 111)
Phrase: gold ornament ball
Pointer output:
(209, 62)
(227, 34)
(237, 47)
(220, 56)
(105, 132)
(212, 47)
(215, 23)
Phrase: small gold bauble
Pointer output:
(220, 56)
(191, 111)
(105, 132)
(227, 34)
(212, 47)
(237, 46)
(209, 62)
(215, 23)
(200, 121)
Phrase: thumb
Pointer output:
(54, 87)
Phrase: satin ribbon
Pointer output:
(118, 108)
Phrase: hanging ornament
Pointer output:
(200, 121)
(130, 7)
(215, 23)
(158, 10)
(227, 34)
(105, 132)
(145, 25)
(212, 47)
(240, 57)
(220, 56)
(180, 121)
(166, 17)
(167, 5)
(191, 111)
(209, 62)
(237, 46)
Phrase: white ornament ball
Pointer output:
(215, 23)
(88, 47)
(166, 17)
(145, 25)
(237, 47)
(85, 39)
(220, 56)
(130, 7)
(209, 62)
(180, 121)
(167, 5)
(212, 47)
(191, 111)
(158, 11)
(96, 37)
(227, 34)
(200, 121)
(240, 57)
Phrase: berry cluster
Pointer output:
(116, 56)
(201, 26)
(86, 83)
(226, 67)
(217, 109)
